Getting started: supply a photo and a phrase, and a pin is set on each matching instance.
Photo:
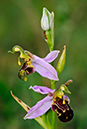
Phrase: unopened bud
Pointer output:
(46, 20)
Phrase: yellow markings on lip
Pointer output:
(29, 63)
(64, 111)
(68, 109)
(60, 97)
(63, 101)
(66, 117)
(59, 114)
(56, 111)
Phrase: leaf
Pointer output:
(26, 108)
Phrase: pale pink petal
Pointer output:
(44, 68)
(41, 89)
(40, 108)
(51, 56)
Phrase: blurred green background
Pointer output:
(20, 24)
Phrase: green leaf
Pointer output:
(47, 119)
(26, 108)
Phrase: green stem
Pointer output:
(52, 84)
(53, 120)
(53, 113)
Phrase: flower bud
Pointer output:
(46, 20)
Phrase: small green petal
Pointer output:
(59, 92)
(61, 62)
(68, 82)
(22, 53)
(16, 48)
(65, 89)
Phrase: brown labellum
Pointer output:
(63, 110)
(66, 115)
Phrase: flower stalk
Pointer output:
(53, 86)
(53, 113)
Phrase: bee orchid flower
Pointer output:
(55, 99)
(34, 63)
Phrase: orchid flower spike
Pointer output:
(55, 99)
(34, 63)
